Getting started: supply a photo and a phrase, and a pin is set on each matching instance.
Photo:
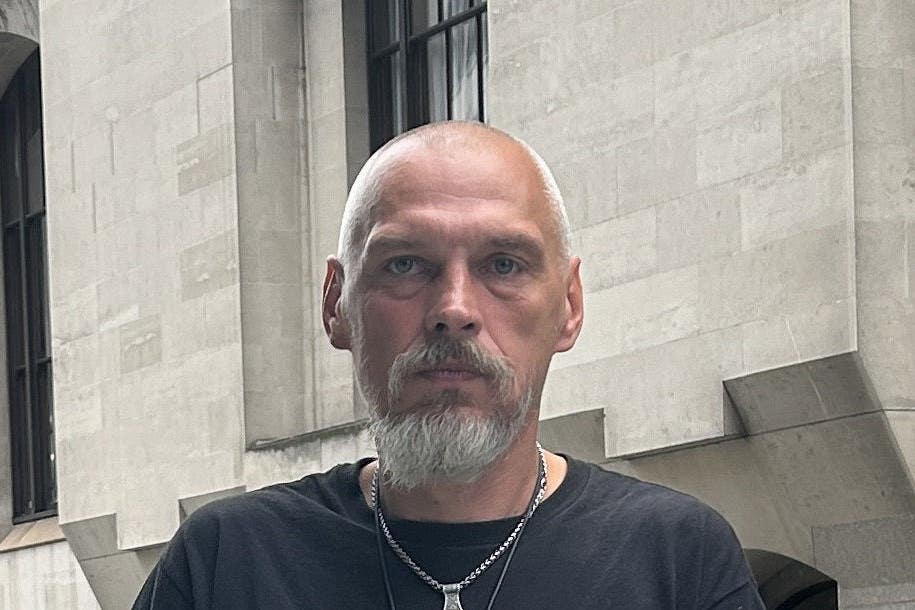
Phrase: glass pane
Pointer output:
(453, 7)
(43, 438)
(397, 101)
(423, 15)
(484, 43)
(436, 78)
(464, 92)
(37, 303)
(385, 21)
(10, 171)
(20, 456)
(34, 158)
(12, 274)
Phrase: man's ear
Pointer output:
(574, 308)
(335, 324)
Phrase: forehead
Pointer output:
(461, 184)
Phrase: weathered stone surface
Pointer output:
(868, 553)
(657, 168)
(626, 247)
(813, 114)
(809, 193)
(209, 266)
(749, 139)
(698, 227)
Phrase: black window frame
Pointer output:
(25, 281)
(406, 49)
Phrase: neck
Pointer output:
(502, 491)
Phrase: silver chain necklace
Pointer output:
(451, 592)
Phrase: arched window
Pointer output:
(426, 61)
(26, 297)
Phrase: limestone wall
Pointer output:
(704, 151)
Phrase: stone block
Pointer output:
(328, 139)
(184, 328)
(189, 504)
(802, 393)
(701, 84)
(118, 300)
(280, 257)
(580, 435)
(116, 579)
(74, 362)
(600, 117)
(884, 597)
(658, 168)
(747, 140)
(77, 412)
(813, 114)
(878, 106)
(75, 316)
(880, 34)
(884, 182)
(639, 314)
(588, 186)
(92, 537)
(337, 449)
(222, 315)
(902, 425)
(810, 193)
(881, 268)
(205, 159)
(838, 471)
(886, 336)
(514, 24)
(209, 265)
(175, 119)
(618, 250)
(286, 463)
(215, 106)
(674, 387)
(698, 227)
(141, 343)
(776, 341)
(796, 274)
(868, 553)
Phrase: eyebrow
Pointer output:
(524, 243)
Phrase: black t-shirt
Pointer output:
(601, 540)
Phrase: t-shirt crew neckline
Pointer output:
(467, 534)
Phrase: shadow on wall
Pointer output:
(788, 584)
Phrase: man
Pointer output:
(453, 287)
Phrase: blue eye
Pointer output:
(402, 265)
(504, 266)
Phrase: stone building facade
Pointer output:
(740, 179)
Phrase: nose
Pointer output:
(454, 311)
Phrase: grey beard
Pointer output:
(436, 442)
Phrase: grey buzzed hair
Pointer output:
(363, 195)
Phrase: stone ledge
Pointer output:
(32, 533)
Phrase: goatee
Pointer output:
(438, 441)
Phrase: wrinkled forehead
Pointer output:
(475, 171)
(472, 165)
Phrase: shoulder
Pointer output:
(643, 499)
(664, 515)
(311, 498)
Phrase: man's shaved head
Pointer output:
(450, 137)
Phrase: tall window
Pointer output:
(25, 283)
(427, 62)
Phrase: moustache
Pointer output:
(462, 352)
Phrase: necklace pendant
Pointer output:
(452, 597)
